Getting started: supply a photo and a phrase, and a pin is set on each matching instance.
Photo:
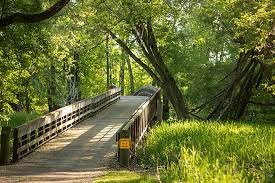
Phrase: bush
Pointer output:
(212, 151)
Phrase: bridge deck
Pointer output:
(80, 153)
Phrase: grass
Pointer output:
(20, 118)
(212, 151)
(125, 177)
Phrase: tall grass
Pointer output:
(20, 118)
(212, 151)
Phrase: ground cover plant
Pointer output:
(196, 151)
(125, 177)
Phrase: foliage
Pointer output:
(20, 118)
(199, 41)
(125, 176)
(194, 151)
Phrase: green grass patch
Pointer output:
(212, 151)
(125, 177)
(20, 118)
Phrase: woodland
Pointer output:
(213, 60)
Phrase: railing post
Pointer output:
(5, 145)
(15, 145)
(124, 145)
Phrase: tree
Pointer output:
(140, 25)
(249, 28)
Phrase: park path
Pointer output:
(79, 154)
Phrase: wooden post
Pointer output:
(124, 145)
(5, 145)
(15, 145)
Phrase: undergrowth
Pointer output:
(196, 151)
(20, 118)
(125, 177)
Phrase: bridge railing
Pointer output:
(30, 136)
(132, 132)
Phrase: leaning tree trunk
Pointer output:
(232, 103)
(176, 98)
(156, 68)
(248, 74)
(148, 43)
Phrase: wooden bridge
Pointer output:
(80, 141)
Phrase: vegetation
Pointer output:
(20, 118)
(213, 59)
(125, 177)
(197, 151)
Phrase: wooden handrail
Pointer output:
(132, 132)
(30, 136)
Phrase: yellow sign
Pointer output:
(124, 143)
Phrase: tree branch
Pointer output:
(261, 104)
(32, 18)
(129, 52)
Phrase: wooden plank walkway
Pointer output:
(80, 153)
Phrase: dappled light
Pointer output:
(182, 89)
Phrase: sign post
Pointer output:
(124, 145)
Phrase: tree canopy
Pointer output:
(213, 59)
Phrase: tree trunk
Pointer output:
(231, 105)
(108, 65)
(158, 71)
(121, 75)
(131, 76)
(27, 100)
(148, 43)
(51, 89)
(176, 98)
(250, 70)
(165, 108)
(74, 81)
